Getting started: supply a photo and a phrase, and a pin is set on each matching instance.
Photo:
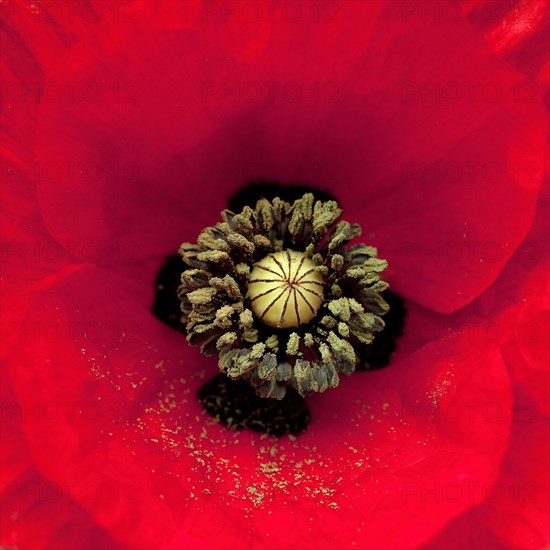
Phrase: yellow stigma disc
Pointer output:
(285, 289)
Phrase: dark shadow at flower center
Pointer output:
(378, 354)
(234, 403)
(253, 192)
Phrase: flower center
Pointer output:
(285, 289)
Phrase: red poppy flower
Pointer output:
(126, 128)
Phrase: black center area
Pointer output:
(235, 404)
